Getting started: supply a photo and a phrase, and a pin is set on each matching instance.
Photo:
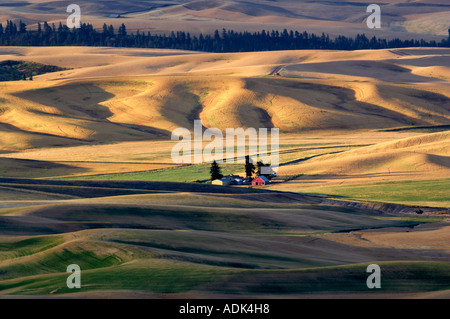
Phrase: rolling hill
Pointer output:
(113, 106)
(91, 104)
(400, 18)
(364, 173)
(156, 230)
(423, 153)
(261, 243)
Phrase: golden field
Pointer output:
(119, 107)
(363, 176)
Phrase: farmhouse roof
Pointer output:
(265, 179)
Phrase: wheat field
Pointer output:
(86, 174)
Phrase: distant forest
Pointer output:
(220, 41)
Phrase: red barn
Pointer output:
(260, 180)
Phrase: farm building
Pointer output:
(236, 179)
(260, 180)
(222, 182)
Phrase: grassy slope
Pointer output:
(411, 171)
(428, 192)
(136, 243)
(190, 173)
(164, 267)
(170, 278)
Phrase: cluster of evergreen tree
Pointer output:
(22, 70)
(225, 41)
(250, 169)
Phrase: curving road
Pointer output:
(277, 69)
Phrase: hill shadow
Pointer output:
(83, 101)
(39, 168)
(380, 70)
(345, 101)
(192, 107)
